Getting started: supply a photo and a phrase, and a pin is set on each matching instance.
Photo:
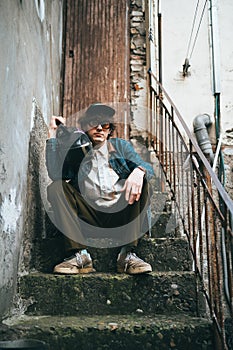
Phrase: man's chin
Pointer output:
(98, 140)
(99, 137)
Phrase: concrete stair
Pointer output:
(115, 332)
(164, 254)
(102, 293)
(107, 310)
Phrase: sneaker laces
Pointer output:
(132, 255)
(129, 256)
(79, 259)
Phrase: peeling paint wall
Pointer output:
(31, 39)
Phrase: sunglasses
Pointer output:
(95, 123)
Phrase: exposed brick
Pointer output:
(136, 62)
(136, 68)
(135, 24)
(133, 31)
(136, 19)
(137, 57)
(137, 13)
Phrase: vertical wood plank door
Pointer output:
(96, 58)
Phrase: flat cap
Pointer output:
(97, 110)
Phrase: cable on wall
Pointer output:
(186, 64)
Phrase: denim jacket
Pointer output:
(122, 158)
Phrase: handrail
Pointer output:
(215, 179)
(203, 207)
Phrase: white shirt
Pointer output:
(102, 186)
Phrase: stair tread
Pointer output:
(105, 321)
(118, 332)
(108, 275)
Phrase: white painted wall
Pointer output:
(226, 50)
(192, 95)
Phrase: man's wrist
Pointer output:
(142, 169)
(52, 133)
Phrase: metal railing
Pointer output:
(204, 209)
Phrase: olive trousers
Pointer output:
(122, 225)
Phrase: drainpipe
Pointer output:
(215, 50)
(215, 46)
(200, 124)
(216, 81)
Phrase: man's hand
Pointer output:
(133, 186)
(53, 125)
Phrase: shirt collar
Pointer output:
(103, 150)
(107, 147)
(111, 148)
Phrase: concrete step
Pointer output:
(164, 225)
(163, 219)
(160, 202)
(166, 254)
(100, 293)
(115, 332)
(163, 254)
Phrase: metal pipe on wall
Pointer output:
(200, 124)
(215, 46)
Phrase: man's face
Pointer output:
(98, 131)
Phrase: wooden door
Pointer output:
(96, 57)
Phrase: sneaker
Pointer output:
(132, 264)
(78, 263)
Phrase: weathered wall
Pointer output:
(30, 35)
(138, 68)
(193, 94)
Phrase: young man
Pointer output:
(105, 197)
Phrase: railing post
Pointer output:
(207, 224)
(215, 278)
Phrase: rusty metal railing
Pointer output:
(204, 208)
